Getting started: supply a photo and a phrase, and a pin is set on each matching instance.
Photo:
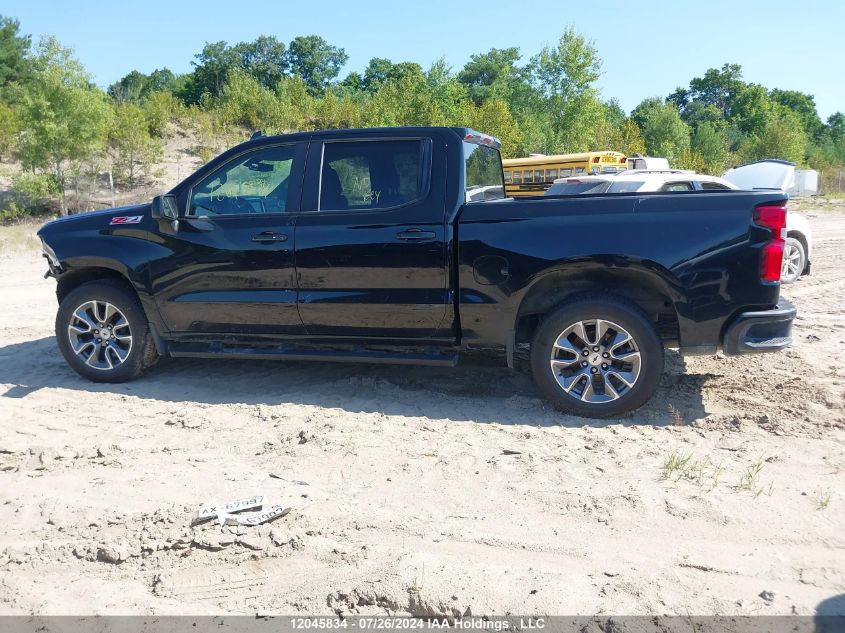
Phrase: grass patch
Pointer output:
(824, 499)
(707, 475)
(750, 480)
(702, 472)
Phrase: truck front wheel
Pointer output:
(598, 356)
(103, 333)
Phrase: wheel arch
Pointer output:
(73, 277)
(651, 289)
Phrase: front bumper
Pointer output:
(760, 331)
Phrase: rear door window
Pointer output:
(366, 175)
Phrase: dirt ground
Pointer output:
(421, 490)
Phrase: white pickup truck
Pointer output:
(767, 174)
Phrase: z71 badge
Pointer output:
(126, 219)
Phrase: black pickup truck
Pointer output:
(397, 246)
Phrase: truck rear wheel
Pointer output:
(794, 261)
(598, 356)
(103, 333)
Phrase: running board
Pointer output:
(292, 353)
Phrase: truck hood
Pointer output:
(92, 219)
(763, 174)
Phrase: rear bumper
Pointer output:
(760, 331)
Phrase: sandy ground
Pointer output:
(421, 490)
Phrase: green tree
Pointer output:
(133, 148)
(446, 93)
(129, 87)
(298, 107)
(316, 61)
(567, 70)
(494, 117)
(9, 129)
(488, 73)
(717, 88)
(136, 86)
(752, 109)
(64, 118)
(710, 142)
(624, 136)
(15, 64)
(803, 105)
(380, 70)
(836, 127)
(160, 108)
(211, 70)
(781, 137)
(664, 132)
(246, 102)
(265, 59)
(563, 76)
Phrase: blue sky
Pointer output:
(649, 47)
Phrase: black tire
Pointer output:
(607, 308)
(795, 246)
(141, 351)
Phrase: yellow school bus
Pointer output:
(533, 175)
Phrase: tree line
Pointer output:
(66, 132)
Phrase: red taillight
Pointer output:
(623, 159)
(771, 261)
(771, 255)
(771, 217)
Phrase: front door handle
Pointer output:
(415, 235)
(269, 236)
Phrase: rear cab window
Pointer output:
(483, 173)
(372, 174)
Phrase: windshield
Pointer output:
(576, 187)
(483, 173)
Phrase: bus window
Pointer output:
(579, 170)
(517, 177)
(551, 174)
(538, 176)
(528, 176)
(508, 177)
(565, 173)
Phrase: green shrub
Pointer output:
(159, 109)
(12, 213)
(30, 194)
(246, 102)
(33, 188)
(9, 127)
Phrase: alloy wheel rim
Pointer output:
(595, 361)
(99, 335)
(791, 261)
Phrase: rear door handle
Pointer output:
(415, 235)
(269, 236)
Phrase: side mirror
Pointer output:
(165, 208)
